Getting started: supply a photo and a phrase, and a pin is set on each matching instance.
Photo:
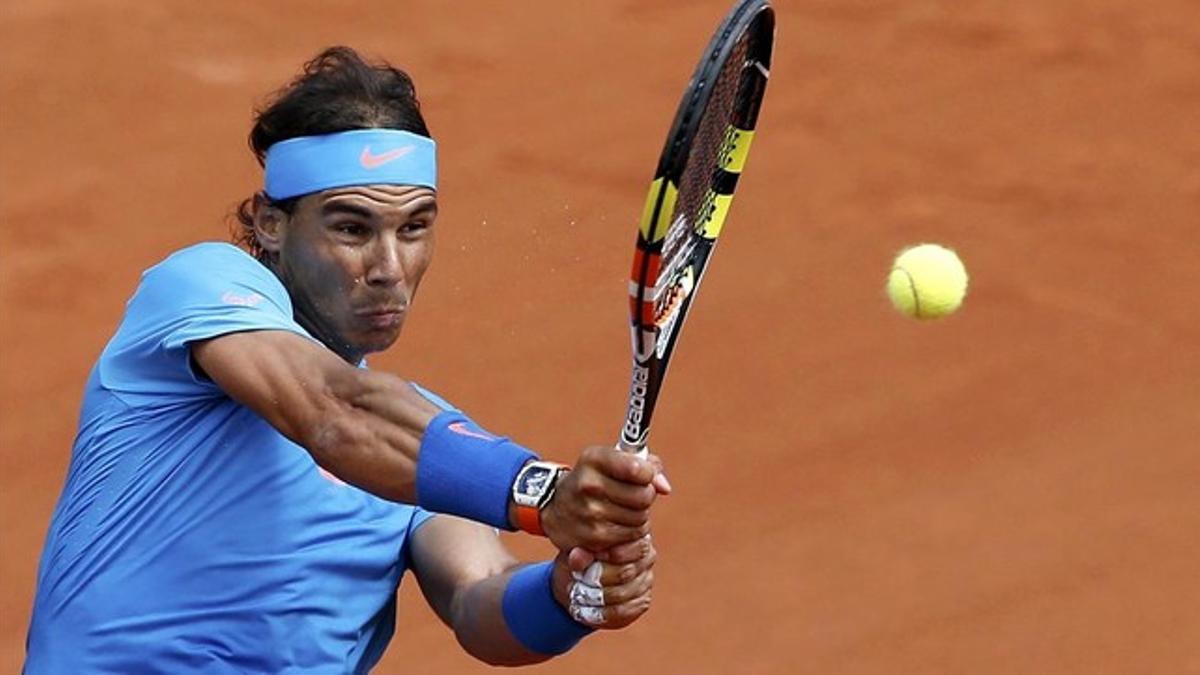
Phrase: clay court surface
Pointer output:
(1013, 490)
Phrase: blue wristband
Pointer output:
(465, 471)
(534, 617)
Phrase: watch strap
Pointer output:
(529, 519)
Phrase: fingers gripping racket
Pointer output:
(690, 196)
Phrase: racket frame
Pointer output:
(653, 335)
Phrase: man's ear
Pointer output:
(268, 224)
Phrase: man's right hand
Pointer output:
(605, 594)
(604, 500)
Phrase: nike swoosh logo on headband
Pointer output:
(371, 161)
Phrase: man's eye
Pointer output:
(352, 229)
(415, 227)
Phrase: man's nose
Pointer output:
(386, 266)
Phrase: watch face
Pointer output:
(535, 481)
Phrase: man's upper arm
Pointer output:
(287, 379)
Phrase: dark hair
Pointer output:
(337, 91)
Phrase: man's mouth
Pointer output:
(384, 317)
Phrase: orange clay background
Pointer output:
(1015, 489)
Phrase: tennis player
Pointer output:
(244, 495)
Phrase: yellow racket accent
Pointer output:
(655, 230)
(713, 218)
(734, 149)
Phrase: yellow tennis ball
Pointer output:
(927, 281)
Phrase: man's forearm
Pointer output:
(373, 438)
(477, 616)
(517, 617)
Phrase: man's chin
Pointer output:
(378, 341)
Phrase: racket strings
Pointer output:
(696, 198)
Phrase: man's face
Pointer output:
(352, 258)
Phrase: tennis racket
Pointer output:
(688, 203)
(689, 198)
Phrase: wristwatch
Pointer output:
(532, 490)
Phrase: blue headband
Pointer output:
(307, 164)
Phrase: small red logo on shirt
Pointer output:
(248, 300)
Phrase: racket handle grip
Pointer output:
(593, 570)
(640, 450)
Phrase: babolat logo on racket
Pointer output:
(633, 432)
